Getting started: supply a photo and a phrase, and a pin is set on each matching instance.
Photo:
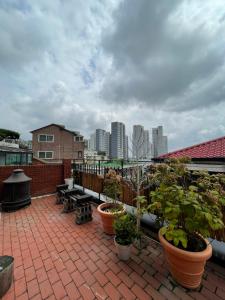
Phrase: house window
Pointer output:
(45, 154)
(80, 154)
(45, 138)
(78, 139)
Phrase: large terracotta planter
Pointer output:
(108, 217)
(186, 267)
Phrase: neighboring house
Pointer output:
(12, 154)
(54, 142)
(209, 155)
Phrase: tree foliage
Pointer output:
(5, 133)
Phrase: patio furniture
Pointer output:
(70, 200)
(59, 189)
(83, 212)
(65, 198)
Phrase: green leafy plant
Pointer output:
(189, 204)
(125, 229)
(113, 189)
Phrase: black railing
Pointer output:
(101, 167)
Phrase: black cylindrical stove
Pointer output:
(16, 191)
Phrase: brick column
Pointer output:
(67, 168)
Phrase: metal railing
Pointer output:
(101, 167)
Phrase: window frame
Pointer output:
(46, 134)
(45, 154)
(80, 139)
(80, 154)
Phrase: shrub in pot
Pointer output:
(125, 230)
(191, 207)
(112, 208)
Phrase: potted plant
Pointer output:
(190, 206)
(110, 209)
(69, 181)
(125, 230)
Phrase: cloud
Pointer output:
(165, 54)
(48, 63)
(88, 63)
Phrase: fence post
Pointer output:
(83, 173)
(99, 166)
(122, 167)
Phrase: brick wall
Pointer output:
(44, 177)
(67, 168)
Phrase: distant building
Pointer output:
(126, 150)
(107, 143)
(118, 141)
(92, 142)
(92, 156)
(140, 143)
(54, 142)
(159, 141)
(86, 144)
(25, 144)
(147, 146)
(102, 141)
(12, 154)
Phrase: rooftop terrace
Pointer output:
(57, 259)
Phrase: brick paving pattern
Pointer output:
(57, 259)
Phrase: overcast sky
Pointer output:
(88, 63)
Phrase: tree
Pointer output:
(138, 177)
(8, 134)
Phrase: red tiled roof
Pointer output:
(210, 149)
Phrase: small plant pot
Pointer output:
(186, 267)
(122, 250)
(69, 182)
(108, 217)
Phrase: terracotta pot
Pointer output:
(123, 251)
(186, 267)
(6, 273)
(108, 217)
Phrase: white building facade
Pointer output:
(159, 142)
(140, 143)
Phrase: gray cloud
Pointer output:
(160, 60)
(87, 63)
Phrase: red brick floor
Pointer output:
(57, 259)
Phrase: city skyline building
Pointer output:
(92, 142)
(159, 142)
(115, 144)
(141, 148)
(118, 141)
(100, 140)
(147, 145)
(138, 141)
